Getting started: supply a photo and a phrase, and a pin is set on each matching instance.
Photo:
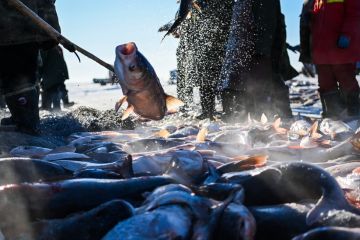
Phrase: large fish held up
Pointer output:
(140, 85)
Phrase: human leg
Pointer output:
(329, 92)
(349, 87)
(18, 76)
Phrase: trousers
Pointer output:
(340, 76)
(18, 66)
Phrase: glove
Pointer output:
(343, 42)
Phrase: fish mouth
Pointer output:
(127, 49)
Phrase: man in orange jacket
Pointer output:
(334, 27)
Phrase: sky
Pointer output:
(100, 26)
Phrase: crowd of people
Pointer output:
(237, 50)
(30, 58)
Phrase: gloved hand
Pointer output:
(343, 42)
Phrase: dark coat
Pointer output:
(257, 37)
(54, 70)
(18, 29)
(212, 35)
(305, 32)
(280, 56)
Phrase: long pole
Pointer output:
(23, 9)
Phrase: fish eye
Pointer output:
(132, 68)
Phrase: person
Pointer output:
(54, 72)
(64, 95)
(185, 55)
(330, 33)
(213, 29)
(282, 71)
(19, 46)
(253, 73)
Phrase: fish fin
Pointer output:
(127, 167)
(278, 129)
(356, 171)
(303, 132)
(255, 160)
(314, 131)
(172, 103)
(127, 112)
(307, 142)
(277, 123)
(118, 104)
(323, 206)
(63, 149)
(264, 120)
(163, 133)
(201, 137)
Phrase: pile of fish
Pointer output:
(255, 180)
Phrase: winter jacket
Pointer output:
(16, 28)
(331, 19)
(54, 70)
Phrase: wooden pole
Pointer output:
(23, 9)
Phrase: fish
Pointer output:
(140, 85)
(319, 185)
(90, 225)
(334, 233)
(286, 183)
(219, 191)
(97, 173)
(21, 170)
(65, 156)
(59, 199)
(29, 151)
(165, 189)
(207, 216)
(185, 132)
(151, 145)
(237, 222)
(289, 217)
(186, 167)
(299, 129)
(336, 129)
(173, 221)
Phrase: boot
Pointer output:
(65, 99)
(55, 99)
(25, 111)
(281, 105)
(45, 101)
(207, 101)
(7, 121)
(332, 105)
(234, 105)
(352, 104)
